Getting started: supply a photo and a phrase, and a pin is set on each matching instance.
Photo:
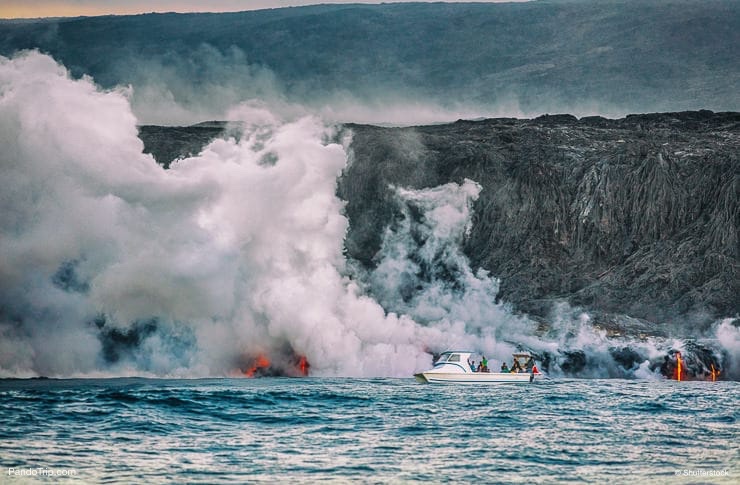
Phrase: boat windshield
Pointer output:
(447, 357)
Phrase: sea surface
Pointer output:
(283, 430)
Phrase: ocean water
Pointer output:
(310, 430)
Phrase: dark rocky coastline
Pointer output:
(633, 217)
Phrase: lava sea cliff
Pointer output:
(635, 219)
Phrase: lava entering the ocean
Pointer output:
(692, 364)
(277, 364)
(261, 362)
(678, 366)
(303, 365)
(714, 373)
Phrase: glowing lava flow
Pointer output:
(303, 365)
(261, 362)
(678, 366)
(715, 373)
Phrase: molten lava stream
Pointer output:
(678, 366)
(303, 365)
(261, 362)
(715, 372)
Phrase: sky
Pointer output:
(73, 8)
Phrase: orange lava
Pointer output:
(678, 366)
(715, 373)
(303, 365)
(261, 362)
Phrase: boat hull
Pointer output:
(474, 378)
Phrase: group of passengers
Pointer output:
(481, 367)
(529, 367)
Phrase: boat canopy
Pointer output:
(454, 356)
(522, 357)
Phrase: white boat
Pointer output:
(455, 367)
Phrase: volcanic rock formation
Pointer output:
(635, 217)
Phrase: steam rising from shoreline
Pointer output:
(111, 264)
(182, 272)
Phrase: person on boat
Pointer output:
(516, 366)
(534, 369)
(472, 365)
(529, 365)
(480, 367)
(484, 364)
(504, 367)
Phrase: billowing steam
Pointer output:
(232, 261)
(110, 262)
(422, 271)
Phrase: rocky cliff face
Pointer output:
(637, 216)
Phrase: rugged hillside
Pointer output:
(637, 216)
(540, 56)
(168, 143)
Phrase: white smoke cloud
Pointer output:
(422, 272)
(233, 252)
(727, 332)
(111, 265)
